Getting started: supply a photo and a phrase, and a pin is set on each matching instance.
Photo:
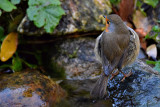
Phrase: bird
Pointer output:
(116, 47)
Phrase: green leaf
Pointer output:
(7, 5)
(43, 2)
(155, 36)
(38, 57)
(156, 63)
(153, 3)
(15, 1)
(115, 1)
(147, 36)
(16, 64)
(156, 28)
(6, 66)
(151, 62)
(157, 66)
(138, 4)
(0, 12)
(29, 65)
(142, 10)
(45, 13)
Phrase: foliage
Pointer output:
(115, 1)
(156, 63)
(0, 12)
(6, 5)
(45, 13)
(155, 29)
(139, 5)
(153, 3)
(15, 1)
(16, 64)
(9, 46)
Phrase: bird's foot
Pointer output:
(126, 75)
(114, 74)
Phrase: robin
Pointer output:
(116, 47)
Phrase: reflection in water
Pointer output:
(79, 95)
(10, 97)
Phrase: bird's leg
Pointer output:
(114, 74)
(125, 75)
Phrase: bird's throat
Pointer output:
(110, 28)
(107, 30)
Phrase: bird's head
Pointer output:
(113, 22)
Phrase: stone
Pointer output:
(77, 58)
(81, 16)
(141, 89)
(76, 55)
(29, 88)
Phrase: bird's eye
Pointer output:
(108, 22)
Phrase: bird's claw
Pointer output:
(114, 74)
(126, 75)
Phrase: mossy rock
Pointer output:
(29, 88)
(81, 16)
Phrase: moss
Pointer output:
(31, 83)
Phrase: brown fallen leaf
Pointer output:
(143, 43)
(141, 32)
(141, 22)
(152, 51)
(143, 27)
(126, 9)
(9, 46)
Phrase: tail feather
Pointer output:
(99, 89)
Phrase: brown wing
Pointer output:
(113, 47)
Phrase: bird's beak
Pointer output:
(104, 16)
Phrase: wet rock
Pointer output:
(142, 88)
(29, 88)
(79, 94)
(81, 16)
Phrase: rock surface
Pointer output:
(77, 57)
(142, 88)
(81, 16)
(29, 88)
